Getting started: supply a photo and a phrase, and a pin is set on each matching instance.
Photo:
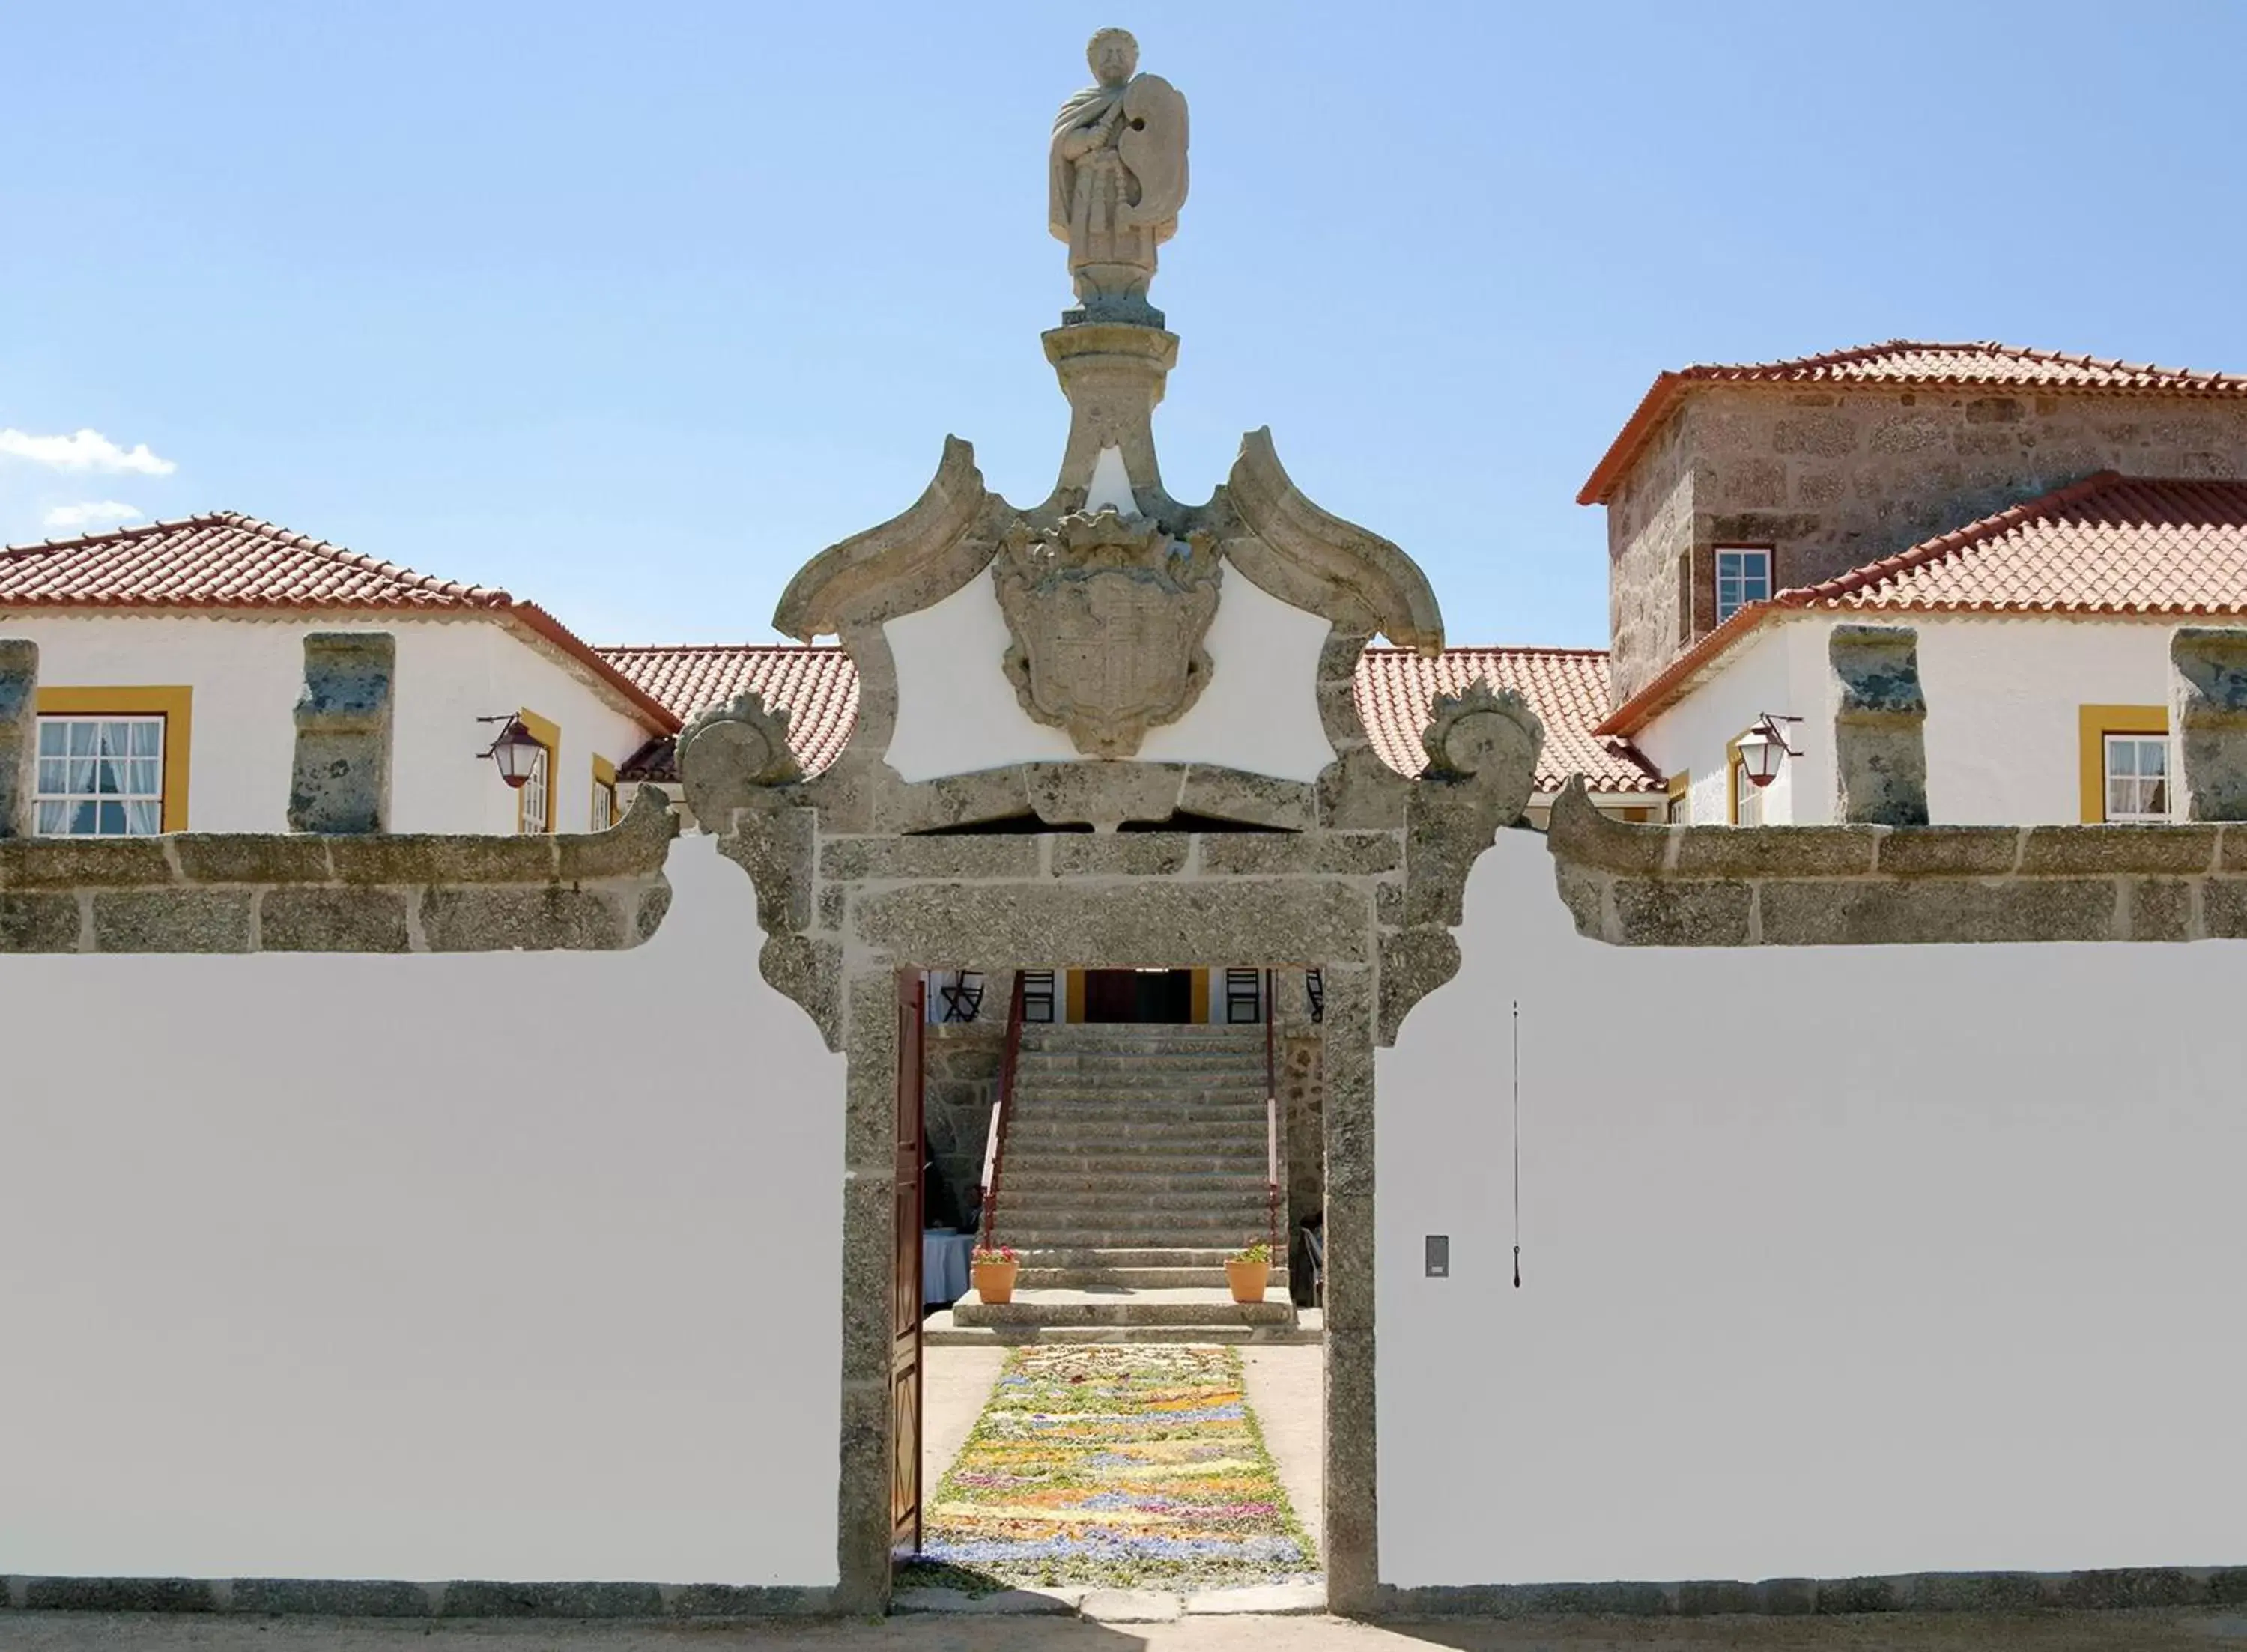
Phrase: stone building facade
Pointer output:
(1834, 461)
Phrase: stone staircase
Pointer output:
(1135, 1165)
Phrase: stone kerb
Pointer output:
(1635, 885)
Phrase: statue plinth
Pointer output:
(1113, 374)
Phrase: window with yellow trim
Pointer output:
(110, 763)
(2124, 756)
(603, 815)
(1678, 810)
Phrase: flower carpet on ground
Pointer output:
(1114, 1465)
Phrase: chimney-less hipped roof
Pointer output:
(1904, 363)
(223, 561)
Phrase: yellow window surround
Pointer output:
(1680, 784)
(175, 705)
(2093, 724)
(547, 734)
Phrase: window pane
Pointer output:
(113, 820)
(147, 735)
(2157, 796)
(2153, 757)
(2121, 795)
(142, 777)
(81, 739)
(2121, 756)
(54, 773)
(54, 738)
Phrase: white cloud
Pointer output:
(105, 512)
(87, 450)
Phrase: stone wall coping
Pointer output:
(251, 891)
(1640, 885)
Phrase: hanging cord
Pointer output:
(1517, 1143)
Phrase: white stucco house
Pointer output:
(2043, 521)
(170, 656)
(2044, 636)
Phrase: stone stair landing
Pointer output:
(1134, 1164)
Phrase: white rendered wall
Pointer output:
(246, 674)
(306, 1278)
(1762, 676)
(1936, 1281)
(2002, 698)
(958, 713)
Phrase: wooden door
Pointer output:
(905, 1348)
(1111, 995)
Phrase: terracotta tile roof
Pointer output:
(2109, 544)
(1396, 689)
(1567, 687)
(225, 562)
(817, 686)
(1904, 363)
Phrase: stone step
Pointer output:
(1137, 1035)
(1189, 1257)
(1027, 1237)
(1218, 1203)
(941, 1332)
(1162, 1278)
(1136, 1160)
(1020, 1178)
(1055, 1308)
(1096, 1113)
(1168, 1066)
(1109, 1137)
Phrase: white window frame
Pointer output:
(48, 795)
(1749, 578)
(1748, 796)
(603, 810)
(535, 808)
(2136, 778)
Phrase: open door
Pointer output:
(904, 1348)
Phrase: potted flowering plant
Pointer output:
(1248, 1269)
(994, 1268)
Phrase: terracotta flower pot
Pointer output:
(1248, 1280)
(994, 1281)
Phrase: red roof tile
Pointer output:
(817, 685)
(227, 562)
(1904, 363)
(1567, 687)
(1395, 691)
(2107, 545)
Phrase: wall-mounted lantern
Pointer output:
(516, 752)
(1764, 747)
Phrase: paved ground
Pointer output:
(1287, 1390)
(954, 1384)
(2197, 1631)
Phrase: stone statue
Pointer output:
(1116, 179)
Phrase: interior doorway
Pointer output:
(1154, 997)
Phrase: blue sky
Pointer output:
(632, 309)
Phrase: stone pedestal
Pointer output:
(2208, 709)
(19, 733)
(1880, 746)
(1113, 375)
(341, 781)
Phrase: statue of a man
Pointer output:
(1117, 177)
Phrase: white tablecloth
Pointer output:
(944, 1259)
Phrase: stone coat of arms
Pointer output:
(1108, 614)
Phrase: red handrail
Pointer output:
(1270, 1121)
(1000, 1111)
